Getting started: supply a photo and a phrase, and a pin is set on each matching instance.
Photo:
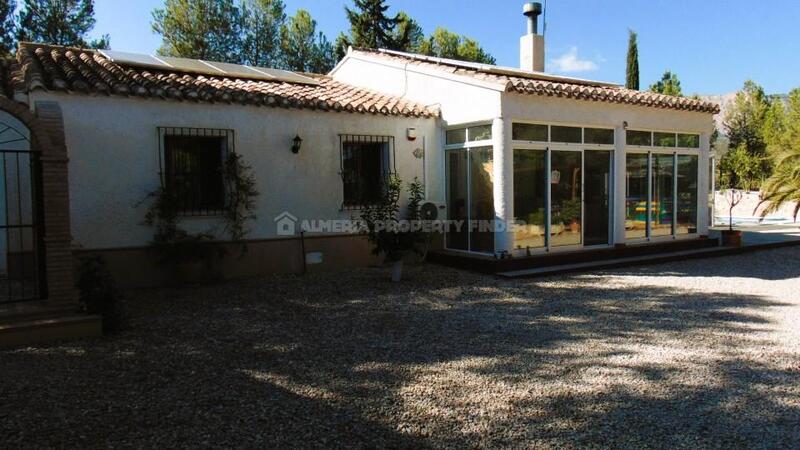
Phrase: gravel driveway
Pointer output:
(700, 353)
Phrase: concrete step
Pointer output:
(36, 331)
(25, 312)
(617, 262)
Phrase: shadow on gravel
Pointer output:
(446, 358)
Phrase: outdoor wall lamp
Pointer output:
(296, 143)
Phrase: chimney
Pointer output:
(531, 46)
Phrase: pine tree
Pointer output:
(262, 22)
(669, 84)
(7, 26)
(305, 50)
(202, 29)
(632, 72)
(370, 27)
(60, 22)
(446, 44)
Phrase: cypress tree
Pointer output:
(632, 73)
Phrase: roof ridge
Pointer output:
(525, 82)
(78, 70)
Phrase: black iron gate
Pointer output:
(21, 260)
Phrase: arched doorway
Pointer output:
(21, 244)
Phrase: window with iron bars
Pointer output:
(367, 162)
(192, 167)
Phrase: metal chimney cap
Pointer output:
(532, 9)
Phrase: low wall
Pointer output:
(748, 207)
(136, 267)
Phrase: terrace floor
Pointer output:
(699, 353)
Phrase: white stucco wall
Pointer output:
(114, 162)
(460, 102)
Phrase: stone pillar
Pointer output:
(503, 171)
(618, 194)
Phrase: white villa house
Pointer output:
(581, 164)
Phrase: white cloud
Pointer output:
(569, 62)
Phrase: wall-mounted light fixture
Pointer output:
(625, 125)
(296, 143)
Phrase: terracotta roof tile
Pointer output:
(535, 83)
(74, 70)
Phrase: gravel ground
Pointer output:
(704, 353)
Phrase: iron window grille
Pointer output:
(191, 162)
(366, 162)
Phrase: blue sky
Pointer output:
(713, 45)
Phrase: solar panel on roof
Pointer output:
(192, 65)
(285, 75)
(134, 59)
(236, 70)
(206, 67)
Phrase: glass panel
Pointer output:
(663, 195)
(363, 172)
(529, 198)
(566, 134)
(636, 196)
(689, 140)
(529, 132)
(687, 194)
(481, 200)
(457, 199)
(458, 136)
(664, 139)
(565, 194)
(639, 137)
(596, 197)
(480, 133)
(598, 136)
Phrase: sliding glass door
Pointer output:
(597, 197)
(470, 199)
(688, 196)
(661, 206)
(661, 195)
(530, 194)
(457, 199)
(566, 190)
(551, 207)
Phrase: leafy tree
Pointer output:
(669, 84)
(782, 134)
(61, 22)
(262, 22)
(632, 72)
(7, 26)
(304, 49)
(446, 44)
(746, 164)
(202, 29)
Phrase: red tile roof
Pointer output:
(538, 83)
(74, 70)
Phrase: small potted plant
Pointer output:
(381, 223)
(570, 215)
(731, 237)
